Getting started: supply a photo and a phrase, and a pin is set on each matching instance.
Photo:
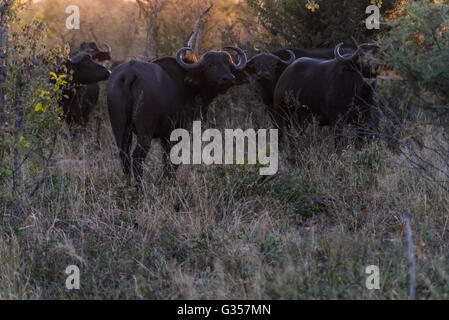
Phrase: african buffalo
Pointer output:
(150, 99)
(266, 68)
(83, 98)
(328, 89)
(82, 91)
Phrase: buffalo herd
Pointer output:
(149, 99)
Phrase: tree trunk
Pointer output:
(147, 51)
(156, 41)
(4, 19)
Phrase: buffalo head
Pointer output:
(215, 69)
(97, 54)
(360, 60)
(267, 65)
(85, 70)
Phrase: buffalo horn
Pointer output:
(242, 57)
(186, 66)
(344, 58)
(292, 58)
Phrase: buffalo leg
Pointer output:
(123, 137)
(124, 152)
(169, 167)
(139, 155)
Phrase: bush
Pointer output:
(32, 112)
(318, 23)
(417, 49)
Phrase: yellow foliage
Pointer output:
(24, 142)
(312, 5)
(37, 170)
(40, 107)
(377, 3)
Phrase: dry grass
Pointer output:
(218, 233)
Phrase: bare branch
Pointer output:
(196, 30)
(150, 10)
(196, 50)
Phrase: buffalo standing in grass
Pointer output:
(266, 68)
(152, 99)
(331, 90)
(83, 96)
(84, 71)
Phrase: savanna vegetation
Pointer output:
(222, 232)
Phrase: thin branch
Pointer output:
(196, 30)
(150, 10)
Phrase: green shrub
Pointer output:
(32, 111)
(417, 49)
(297, 23)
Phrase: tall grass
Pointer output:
(219, 232)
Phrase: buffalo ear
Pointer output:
(193, 78)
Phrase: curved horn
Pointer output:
(343, 58)
(289, 61)
(186, 66)
(339, 56)
(242, 57)
(108, 47)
